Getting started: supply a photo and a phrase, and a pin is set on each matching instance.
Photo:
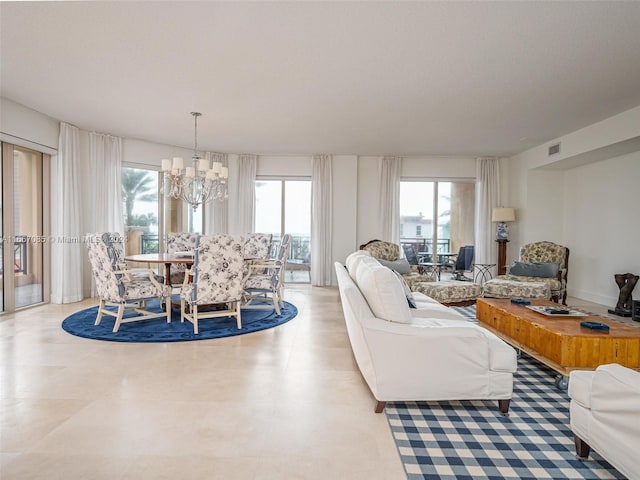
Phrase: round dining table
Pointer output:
(167, 258)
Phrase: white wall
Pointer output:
(28, 128)
(602, 213)
(586, 198)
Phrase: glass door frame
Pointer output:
(8, 230)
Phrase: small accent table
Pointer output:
(434, 269)
(482, 272)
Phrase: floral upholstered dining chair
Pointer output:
(264, 282)
(179, 242)
(128, 289)
(217, 269)
(257, 246)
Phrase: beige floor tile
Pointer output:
(287, 402)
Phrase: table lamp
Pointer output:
(502, 215)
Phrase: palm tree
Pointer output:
(136, 187)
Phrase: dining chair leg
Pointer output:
(99, 317)
(194, 314)
(182, 310)
(168, 303)
(119, 317)
(238, 316)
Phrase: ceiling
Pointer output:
(403, 78)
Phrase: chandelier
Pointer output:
(197, 184)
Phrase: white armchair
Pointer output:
(605, 415)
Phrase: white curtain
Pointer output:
(245, 193)
(487, 197)
(390, 169)
(321, 221)
(67, 251)
(105, 156)
(216, 212)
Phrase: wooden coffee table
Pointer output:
(560, 342)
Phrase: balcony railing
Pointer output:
(20, 255)
(420, 244)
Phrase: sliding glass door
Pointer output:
(284, 206)
(25, 246)
(437, 218)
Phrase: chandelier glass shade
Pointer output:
(198, 184)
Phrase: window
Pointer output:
(140, 205)
(284, 206)
(441, 214)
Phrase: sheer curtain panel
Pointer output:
(216, 212)
(321, 221)
(245, 193)
(390, 169)
(67, 250)
(487, 197)
(105, 153)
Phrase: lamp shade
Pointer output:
(503, 214)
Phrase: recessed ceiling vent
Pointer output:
(554, 149)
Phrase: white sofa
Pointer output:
(426, 353)
(605, 415)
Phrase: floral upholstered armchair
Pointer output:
(257, 246)
(388, 253)
(217, 269)
(179, 242)
(536, 258)
(116, 284)
(264, 282)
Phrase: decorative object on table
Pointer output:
(157, 330)
(502, 215)
(626, 283)
(635, 310)
(197, 184)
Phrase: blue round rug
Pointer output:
(81, 324)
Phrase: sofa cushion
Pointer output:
(353, 261)
(436, 311)
(535, 269)
(383, 292)
(407, 291)
(401, 266)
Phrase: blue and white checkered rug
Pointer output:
(472, 440)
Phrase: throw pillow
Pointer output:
(407, 291)
(401, 266)
(535, 269)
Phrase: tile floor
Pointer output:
(284, 403)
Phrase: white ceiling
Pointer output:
(406, 78)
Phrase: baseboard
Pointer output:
(592, 297)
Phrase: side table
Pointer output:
(482, 272)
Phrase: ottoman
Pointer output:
(499, 288)
(450, 292)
